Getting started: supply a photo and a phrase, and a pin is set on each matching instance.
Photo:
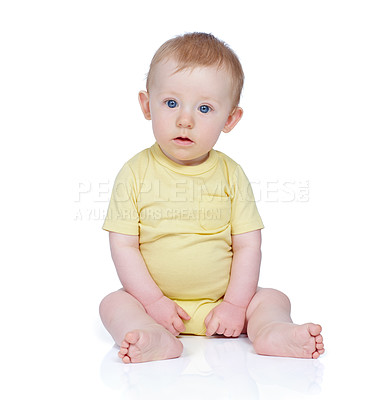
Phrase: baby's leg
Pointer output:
(272, 332)
(140, 338)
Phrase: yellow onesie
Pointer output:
(184, 216)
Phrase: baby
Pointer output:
(184, 230)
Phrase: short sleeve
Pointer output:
(244, 214)
(122, 216)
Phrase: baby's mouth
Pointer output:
(183, 140)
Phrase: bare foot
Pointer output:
(149, 345)
(284, 339)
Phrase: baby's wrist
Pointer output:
(235, 305)
(150, 302)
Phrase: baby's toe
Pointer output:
(126, 359)
(123, 352)
(132, 337)
(319, 346)
(314, 329)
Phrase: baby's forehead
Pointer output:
(171, 68)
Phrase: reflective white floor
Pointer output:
(213, 368)
(229, 369)
(62, 361)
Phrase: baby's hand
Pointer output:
(168, 314)
(225, 319)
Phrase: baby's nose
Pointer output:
(185, 120)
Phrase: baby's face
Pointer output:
(189, 109)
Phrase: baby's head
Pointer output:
(200, 50)
(193, 90)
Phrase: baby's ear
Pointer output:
(144, 104)
(233, 119)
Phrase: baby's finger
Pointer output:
(172, 329)
(178, 325)
(228, 333)
(208, 319)
(220, 330)
(237, 333)
(182, 313)
(212, 326)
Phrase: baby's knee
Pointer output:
(270, 295)
(104, 304)
(275, 295)
(115, 300)
(108, 302)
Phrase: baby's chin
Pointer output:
(184, 156)
(192, 161)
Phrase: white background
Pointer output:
(309, 141)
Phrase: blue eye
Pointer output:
(204, 109)
(171, 103)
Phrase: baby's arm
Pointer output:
(137, 281)
(229, 316)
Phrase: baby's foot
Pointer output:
(149, 345)
(290, 340)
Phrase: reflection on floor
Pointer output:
(212, 368)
